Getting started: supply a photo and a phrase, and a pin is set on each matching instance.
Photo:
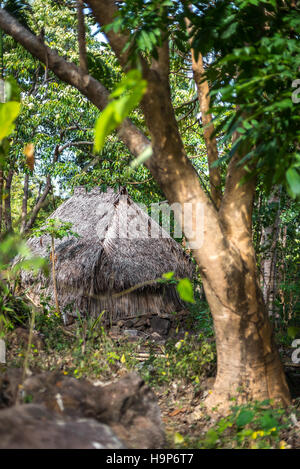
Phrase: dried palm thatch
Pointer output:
(113, 253)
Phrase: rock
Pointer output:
(157, 338)
(131, 332)
(2, 351)
(160, 325)
(115, 330)
(129, 323)
(9, 384)
(128, 406)
(34, 427)
(140, 323)
(131, 410)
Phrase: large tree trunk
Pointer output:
(248, 364)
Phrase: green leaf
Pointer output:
(293, 179)
(146, 40)
(267, 421)
(8, 113)
(244, 417)
(229, 31)
(12, 90)
(168, 275)
(211, 438)
(105, 124)
(123, 100)
(185, 290)
(178, 438)
(293, 331)
(144, 156)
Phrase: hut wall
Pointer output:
(148, 300)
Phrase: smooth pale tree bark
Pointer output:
(269, 241)
(248, 362)
(208, 129)
(208, 126)
(247, 356)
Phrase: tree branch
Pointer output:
(208, 126)
(81, 36)
(105, 12)
(237, 204)
(68, 72)
(74, 144)
(24, 202)
(41, 200)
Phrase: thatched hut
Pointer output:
(105, 260)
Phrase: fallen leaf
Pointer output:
(177, 411)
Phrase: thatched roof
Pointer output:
(102, 259)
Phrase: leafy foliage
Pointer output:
(253, 55)
(257, 426)
(255, 50)
(148, 22)
(14, 308)
(19, 9)
(55, 228)
(189, 359)
(9, 111)
(123, 100)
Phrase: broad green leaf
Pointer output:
(293, 179)
(8, 113)
(168, 275)
(244, 417)
(12, 90)
(146, 40)
(122, 101)
(105, 124)
(267, 421)
(211, 438)
(185, 290)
